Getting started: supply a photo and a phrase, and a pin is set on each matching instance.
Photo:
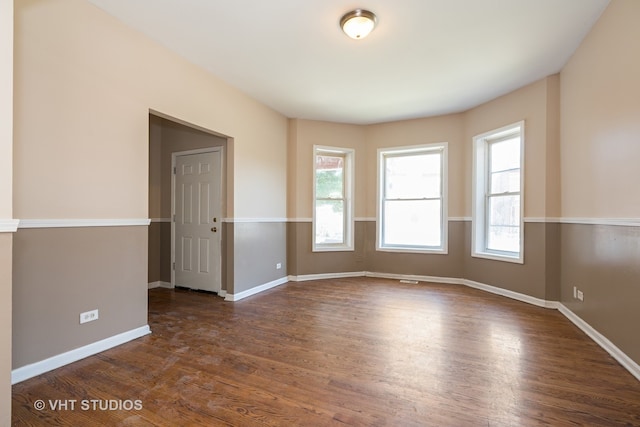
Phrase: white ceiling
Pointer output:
(425, 57)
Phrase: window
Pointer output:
(412, 204)
(498, 190)
(333, 200)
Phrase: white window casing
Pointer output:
(333, 201)
(412, 199)
(498, 194)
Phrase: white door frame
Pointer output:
(173, 206)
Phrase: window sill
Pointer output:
(332, 249)
(497, 257)
(414, 251)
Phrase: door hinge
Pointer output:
(174, 265)
(174, 170)
(174, 217)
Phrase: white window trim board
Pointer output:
(479, 178)
(438, 146)
(349, 184)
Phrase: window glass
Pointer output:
(497, 208)
(332, 212)
(412, 203)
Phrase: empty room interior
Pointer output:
(262, 218)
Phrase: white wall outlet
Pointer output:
(580, 296)
(278, 266)
(88, 316)
(575, 292)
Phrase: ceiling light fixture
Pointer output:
(358, 23)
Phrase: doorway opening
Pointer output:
(172, 144)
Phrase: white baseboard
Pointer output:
(511, 294)
(415, 277)
(470, 283)
(160, 284)
(34, 369)
(602, 341)
(256, 290)
(320, 276)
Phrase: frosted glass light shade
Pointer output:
(358, 24)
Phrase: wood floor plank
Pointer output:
(358, 351)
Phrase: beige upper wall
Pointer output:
(6, 108)
(304, 135)
(529, 104)
(536, 104)
(600, 119)
(553, 178)
(84, 86)
(419, 132)
(366, 140)
(6, 209)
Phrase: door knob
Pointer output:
(214, 229)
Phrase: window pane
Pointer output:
(503, 232)
(329, 177)
(501, 238)
(502, 182)
(504, 210)
(505, 155)
(413, 177)
(412, 223)
(330, 221)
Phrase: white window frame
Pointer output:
(480, 186)
(349, 185)
(442, 147)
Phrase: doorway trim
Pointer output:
(221, 183)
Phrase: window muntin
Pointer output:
(412, 201)
(498, 188)
(332, 212)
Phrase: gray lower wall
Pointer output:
(537, 277)
(529, 278)
(60, 272)
(604, 262)
(441, 265)
(159, 268)
(257, 248)
(303, 261)
(6, 255)
(155, 253)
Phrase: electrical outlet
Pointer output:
(88, 316)
(580, 296)
(575, 292)
(278, 266)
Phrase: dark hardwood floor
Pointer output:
(362, 352)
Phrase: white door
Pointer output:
(198, 230)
